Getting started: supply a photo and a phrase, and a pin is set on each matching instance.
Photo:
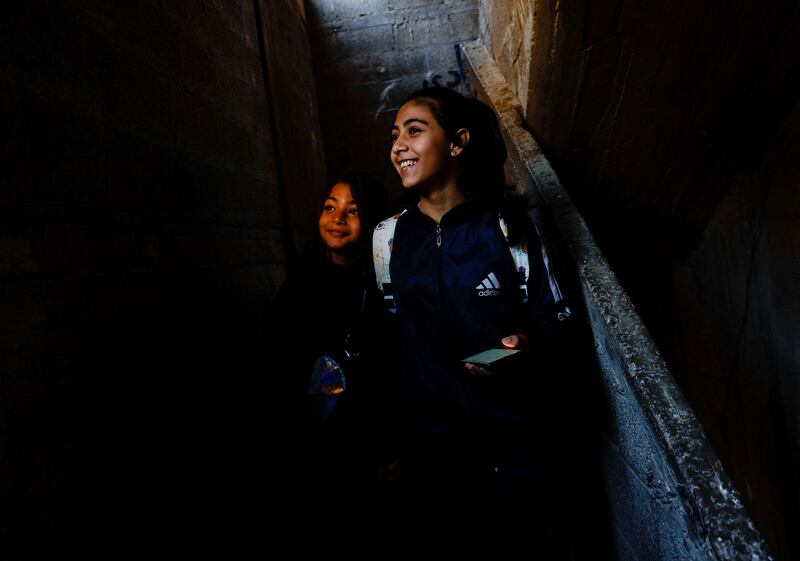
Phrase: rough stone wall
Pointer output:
(738, 337)
(507, 31)
(368, 56)
(624, 426)
(140, 243)
(296, 115)
(671, 126)
(539, 49)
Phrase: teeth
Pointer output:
(407, 163)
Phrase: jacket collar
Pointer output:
(459, 214)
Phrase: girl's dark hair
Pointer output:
(481, 162)
(368, 194)
(372, 208)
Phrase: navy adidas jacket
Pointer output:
(457, 293)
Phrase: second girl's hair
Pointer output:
(369, 196)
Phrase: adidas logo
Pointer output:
(489, 287)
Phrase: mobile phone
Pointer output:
(490, 357)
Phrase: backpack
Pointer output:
(383, 244)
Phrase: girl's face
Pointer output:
(339, 224)
(420, 149)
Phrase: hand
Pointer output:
(517, 364)
(516, 342)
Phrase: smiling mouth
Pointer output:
(338, 234)
(407, 164)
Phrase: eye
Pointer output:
(394, 137)
(328, 208)
(353, 212)
(414, 130)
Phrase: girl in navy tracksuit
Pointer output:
(475, 432)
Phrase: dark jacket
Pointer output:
(456, 292)
(325, 309)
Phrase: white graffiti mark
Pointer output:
(456, 79)
(384, 99)
(432, 79)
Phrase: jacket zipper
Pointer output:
(438, 261)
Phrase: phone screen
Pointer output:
(491, 356)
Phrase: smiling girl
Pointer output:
(457, 292)
(322, 323)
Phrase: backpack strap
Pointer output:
(382, 244)
(519, 253)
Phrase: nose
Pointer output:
(340, 217)
(398, 146)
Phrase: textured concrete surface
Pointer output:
(141, 238)
(670, 496)
(507, 29)
(674, 128)
(294, 106)
(368, 56)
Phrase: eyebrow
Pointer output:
(409, 121)
(350, 202)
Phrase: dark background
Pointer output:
(161, 161)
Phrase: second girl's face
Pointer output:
(339, 224)
(420, 149)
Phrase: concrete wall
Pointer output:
(735, 310)
(673, 127)
(666, 493)
(294, 103)
(370, 55)
(141, 238)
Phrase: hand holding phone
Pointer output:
(494, 361)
